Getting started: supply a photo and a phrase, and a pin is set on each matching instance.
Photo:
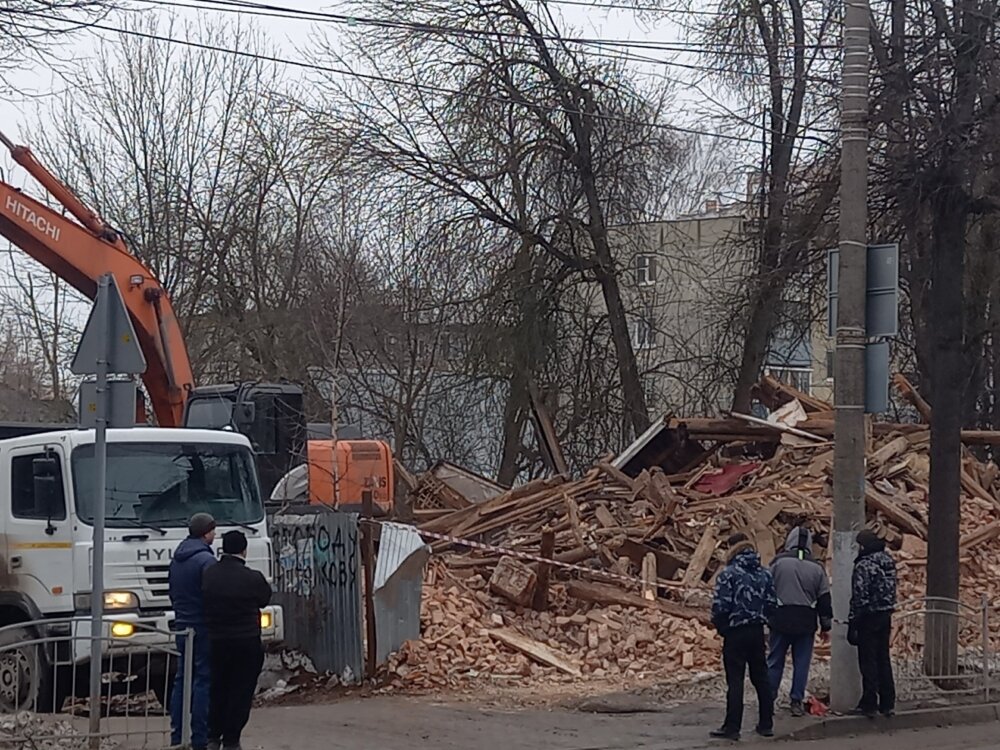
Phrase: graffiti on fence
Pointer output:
(313, 554)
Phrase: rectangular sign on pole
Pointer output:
(122, 396)
(877, 377)
(881, 291)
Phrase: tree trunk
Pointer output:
(632, 392)
(513, 429)
(528, 350)
(757, 339)
(580, 111)
(950, 213)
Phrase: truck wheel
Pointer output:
(25, 673)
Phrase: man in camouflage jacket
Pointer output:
(744, 599)
(873, 599)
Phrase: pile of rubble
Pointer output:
(636, 542)
(28, 730)
(469, 635)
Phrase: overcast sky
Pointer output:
(290, 36)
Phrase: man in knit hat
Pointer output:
(804, 602)
(190, 560)
(744, 599)
(873, 600)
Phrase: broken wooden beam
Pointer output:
(536, 650)
(981, 535)
(608, 595)
(907, 391)
(887, 507)
(701, 557)
(540, 601)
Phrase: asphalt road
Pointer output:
(407, 724)
(401, 724)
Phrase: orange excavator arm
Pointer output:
(82, 253)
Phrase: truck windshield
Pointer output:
(164, 484)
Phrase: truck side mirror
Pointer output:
(48, 495)
(244, 415)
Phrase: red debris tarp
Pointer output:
(722, 480)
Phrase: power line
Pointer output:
(394, 81)
(629, 56)
(595, 45)
(639, 8)
(270, 10)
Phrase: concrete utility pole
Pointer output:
(849, 366)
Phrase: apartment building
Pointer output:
(685, 284)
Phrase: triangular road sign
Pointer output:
(109, 335)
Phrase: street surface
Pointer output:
(407, 724)
(401, 724)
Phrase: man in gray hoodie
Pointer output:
(803, 591)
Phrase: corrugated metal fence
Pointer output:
(399, 575)
(318, 582)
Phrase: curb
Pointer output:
(922, 719)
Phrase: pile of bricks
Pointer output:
(472, 636)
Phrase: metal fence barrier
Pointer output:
(44, 685)
(942, 651)
(318, 582)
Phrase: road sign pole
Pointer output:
(108, 346)
(100, 503)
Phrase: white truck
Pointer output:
(156, 479)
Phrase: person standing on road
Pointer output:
(744, 599)
(191, 558)
(873, 600)
(234, 596)
(803, 592)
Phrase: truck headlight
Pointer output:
(113, 600)
(266, 620)
(120, 600)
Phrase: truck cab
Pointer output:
(271, 415)
(156, 480)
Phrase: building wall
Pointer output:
(692, 298)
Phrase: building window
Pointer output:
(644, 270)
(643, 330)
(451, 347)
(829, 364)
(799, 378)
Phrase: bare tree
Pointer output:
(937, 71)
(32, 29)
(530, 139)
(779, 56)
(199, 164)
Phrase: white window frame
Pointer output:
(644, 330)
(644, 269)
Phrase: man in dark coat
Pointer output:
(234, 595)
(191, 558)
(744, 599)
(873, 600)
(803, 591)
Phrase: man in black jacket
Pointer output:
(873, 600)
(234, 595)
